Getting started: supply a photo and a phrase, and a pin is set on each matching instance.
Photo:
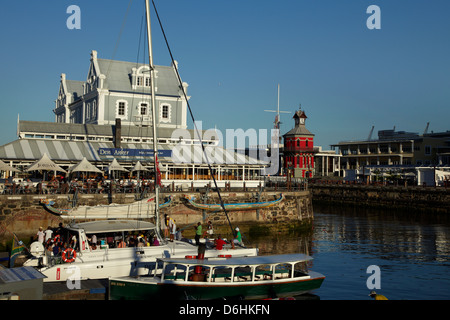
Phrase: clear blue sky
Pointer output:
(234, 53)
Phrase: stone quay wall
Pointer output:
(23, 215)
(428, 199)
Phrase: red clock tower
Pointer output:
(299, 149)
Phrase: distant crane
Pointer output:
(426, 128)
(370, 134)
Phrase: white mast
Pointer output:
(277, 121)
(152, 91)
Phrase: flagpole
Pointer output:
(152, 86)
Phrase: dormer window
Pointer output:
(141, 77)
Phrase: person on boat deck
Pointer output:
(94, 239)
(166, 226)
(40, 235)
(209, 230)
(219, 243)
(73, 242)
(122, 244)
(238, 238)
(198, 233)
(48, 233)
(172, 228)
(132, 242)
(155, 241)
(141, 243)
(178, 235)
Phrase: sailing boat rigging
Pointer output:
(153, 105)
(116, 260)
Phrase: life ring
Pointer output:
(69, 255)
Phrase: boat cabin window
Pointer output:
(283, 270)
(112, 240)
(175, 272)
(221, 274)
(199, 273)
(300, 269)
(263, 272)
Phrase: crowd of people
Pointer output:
(57, 240)
(173, 232)
(61, 185)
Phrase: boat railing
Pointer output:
(252, 273)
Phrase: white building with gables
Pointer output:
(121, 90)
(108, 116)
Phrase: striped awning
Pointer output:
(74, 151)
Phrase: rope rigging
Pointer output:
(192, 116)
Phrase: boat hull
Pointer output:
(234, 206)
(123, 262)
(130, 289)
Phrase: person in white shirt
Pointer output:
(48, 233)
(40, 235)
(173, 229)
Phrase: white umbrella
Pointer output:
(139, 167)
(5, 167)
(44, 164)
(84, 166)
(115, 166)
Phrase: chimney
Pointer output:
(117, 133)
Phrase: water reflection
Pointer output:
(389, 235)
(410, 248)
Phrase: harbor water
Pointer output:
(410, 250)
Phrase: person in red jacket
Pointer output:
(219, 243)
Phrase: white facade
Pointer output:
(118, 89)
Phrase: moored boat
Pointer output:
(141, 209)
(260, 277)
(77, 257)
(233, 206)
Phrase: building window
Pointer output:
(428, 150)
(141, 77)
(298, 143)
(121, 109)
(165, 113)
(144, 109)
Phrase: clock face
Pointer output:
(302, 120)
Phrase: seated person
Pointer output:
(219, 243)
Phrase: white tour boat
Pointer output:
(110, 258)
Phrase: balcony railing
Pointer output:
(299, 149)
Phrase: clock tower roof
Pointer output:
(300, 128)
